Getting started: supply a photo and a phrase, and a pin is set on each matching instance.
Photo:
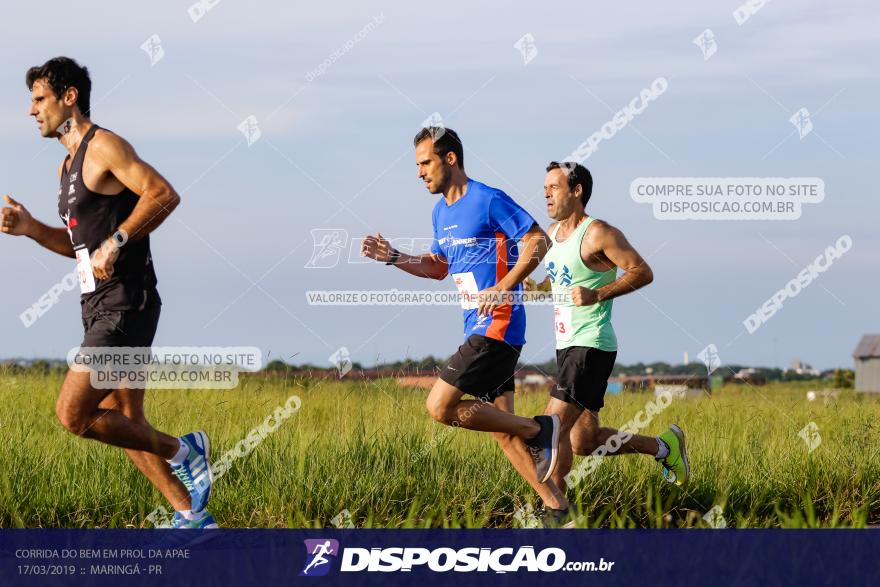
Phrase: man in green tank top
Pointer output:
(582, 263)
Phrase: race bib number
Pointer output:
(467, 288)
(562, 318)
(84, 271)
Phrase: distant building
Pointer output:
(867, 360)
(533, 380)
(650, 382)
(748, 375)
(801, 368)
(745, 372)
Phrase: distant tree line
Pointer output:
(838, 378)
(841, 378)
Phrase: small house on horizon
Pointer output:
(867, 364)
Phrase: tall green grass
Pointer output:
(371, 449)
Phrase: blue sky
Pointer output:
(335, 152)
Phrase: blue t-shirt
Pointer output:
(478, 236)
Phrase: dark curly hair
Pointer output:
(62, 73)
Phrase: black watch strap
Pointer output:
(395, 255)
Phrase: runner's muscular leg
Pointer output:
(131, 403)
(518, 455)
(445, 405)
(587, 436)
(569, 416)
(77, 410)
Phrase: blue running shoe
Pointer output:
(195, 471)
(544, 448)
(206, 522)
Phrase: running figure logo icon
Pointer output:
(526, 46)
(328, 244)
(153, 48)
(317, 552)
(706, 42)
(565, 279)
(435, 121)
(250, 128)
(341, 359)
(802, 122)
(553, 273)
(710, 357)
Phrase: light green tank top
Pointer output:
(588, 326)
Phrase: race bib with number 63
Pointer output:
(562, 319)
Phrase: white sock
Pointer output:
(662, 449)
(191, 515)
(182, 453)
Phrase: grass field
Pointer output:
(371, 449)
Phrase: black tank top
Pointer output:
(91, 219)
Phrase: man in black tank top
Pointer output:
(110, 201)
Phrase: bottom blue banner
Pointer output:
(362, 557)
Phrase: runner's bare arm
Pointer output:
(430, 265)
(157, 199)
(636, 271)
(534, 245)
(545, 285)
(17, 221)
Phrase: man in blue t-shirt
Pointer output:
(476, 234)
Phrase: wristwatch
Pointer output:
(395, 255)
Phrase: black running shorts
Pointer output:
(482, 367)
(583, 376)
(120, 328)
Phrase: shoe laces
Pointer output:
(182, 473)
(535, 452)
